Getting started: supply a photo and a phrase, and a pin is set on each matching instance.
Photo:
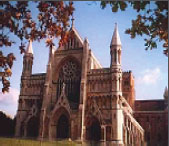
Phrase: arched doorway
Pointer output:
(94, 130)
(33, 127)
(63, 129)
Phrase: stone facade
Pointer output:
(153, 116)
(79, 99)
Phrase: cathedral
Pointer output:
(79, 99)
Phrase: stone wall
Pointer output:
(153, 117)
(30, 101)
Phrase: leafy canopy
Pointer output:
(151, 21)
(52, 21)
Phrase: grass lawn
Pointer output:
(26, 142)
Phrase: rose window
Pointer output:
(70, 75)
(69, 71)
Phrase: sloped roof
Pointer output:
(150, 105)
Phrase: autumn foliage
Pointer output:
(52, 21)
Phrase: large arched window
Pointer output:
(70, 75)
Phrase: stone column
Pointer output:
(117, 124)
(103, 132)
(47, 92)
(25, 129)
(72, 130)
(84, 132)
(17, 128)
(83, 87)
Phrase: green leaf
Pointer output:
(115, 8)
(123, 5)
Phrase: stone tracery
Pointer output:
(69, 75)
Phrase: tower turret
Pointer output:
(115, 64)
(28, 60)
(115, 49)
(116, 87)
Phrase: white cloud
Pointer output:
(8, 102)
(9, 98)
(149, 76)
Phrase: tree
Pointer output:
(151, 21)
(53, 21)
(7, 125)
(16, 17)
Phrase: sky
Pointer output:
(150, 68)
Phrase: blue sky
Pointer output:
(150, 68)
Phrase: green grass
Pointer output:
(25, 142)
(28, 142)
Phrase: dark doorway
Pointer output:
(63, 127)
(94, 131)
(33, 127)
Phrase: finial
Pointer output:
(29, 48)
(86, 40)
(115, 24)
(72, 21)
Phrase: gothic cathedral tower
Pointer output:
(26, 74)
(116, 83)
(28, 60)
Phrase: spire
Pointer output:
(75, 31)
(28, 60)
(29, 49)
(116, 38)
(165, 93)
(72, 21)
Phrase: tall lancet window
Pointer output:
(115, 56)
(74, 43)
(71, 43)
(119, 83)
(119, 56)
(70, 75)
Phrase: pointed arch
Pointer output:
(69, 73)
(93, 129)
(60, 117)
(75, 41)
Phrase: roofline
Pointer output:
(150, 100)
(148, 112)
(97, 61)
(37, 74)
(76, 32)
